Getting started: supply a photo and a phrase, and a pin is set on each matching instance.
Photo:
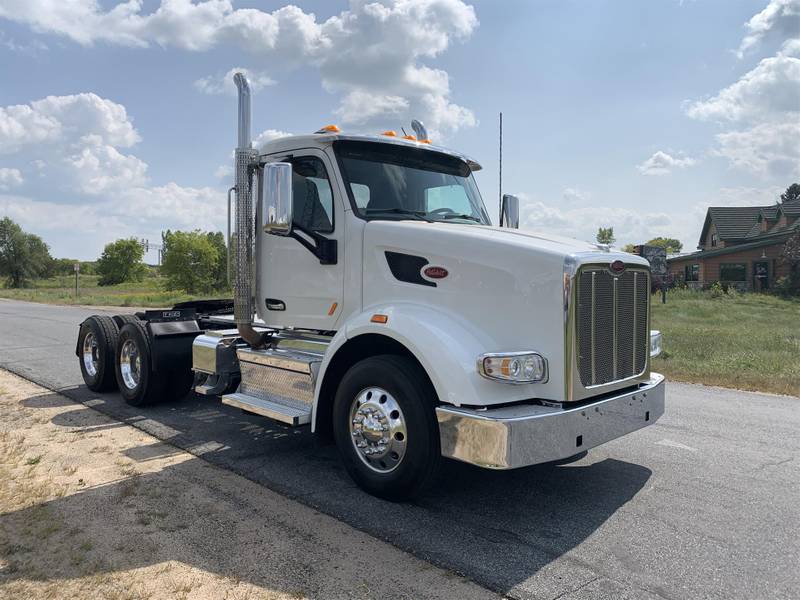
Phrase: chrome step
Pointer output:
(279, 412)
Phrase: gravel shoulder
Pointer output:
(93, 508)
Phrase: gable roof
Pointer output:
(767, 239)
(791, 209)
(739, 223)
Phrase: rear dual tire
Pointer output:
(97, 342)
(116, 353)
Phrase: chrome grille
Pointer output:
(612, 321)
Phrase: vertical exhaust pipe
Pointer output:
(245, 221)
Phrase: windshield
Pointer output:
(389, 181)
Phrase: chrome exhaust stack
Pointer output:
(245, 221)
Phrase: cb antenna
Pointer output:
(500, 182)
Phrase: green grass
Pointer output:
(61, 290)
(743, 341)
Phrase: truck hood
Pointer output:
(539, 242)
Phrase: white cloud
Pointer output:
(768, 149)
(779, 16)
(95, 191)
(582, 222)
(267, 136)
(10, 178)
(371, 50)
(574, 196)
(223, 84)
(760, 114)
(662, 163)
(769, 91)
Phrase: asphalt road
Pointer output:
(703, 504)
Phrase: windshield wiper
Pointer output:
(457, 216)
(420, 214)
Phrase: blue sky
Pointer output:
(115, 121)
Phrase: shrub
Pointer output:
(121, 261)
(191, 261)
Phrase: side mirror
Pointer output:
(276, 198)
(509, 211)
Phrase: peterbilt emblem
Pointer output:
(436, 272)
(617, 267)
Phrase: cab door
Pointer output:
(295, 288)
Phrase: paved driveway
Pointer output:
(702, 504)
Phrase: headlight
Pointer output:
(513, 367)
(655, 343)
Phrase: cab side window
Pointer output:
(313, 198)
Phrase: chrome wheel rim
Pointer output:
(378, 429)
(89, 354)
(130, 365)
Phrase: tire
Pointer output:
(97, 345)
(393, 392)
(121, 320)
(136, 381)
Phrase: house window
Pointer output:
(733, 272)
(713, 239)
(691, 273)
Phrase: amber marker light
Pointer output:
(379, 318)
(329, 129)
(390, 133)
(333, 309)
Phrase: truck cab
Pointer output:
(376, 303)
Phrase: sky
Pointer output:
(118, 119)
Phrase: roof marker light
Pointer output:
(329, 129)
(413, 138)
(390, 133)
(425, 142)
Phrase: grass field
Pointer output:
(61, 290)
(745, 341)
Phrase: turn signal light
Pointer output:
(514, 367)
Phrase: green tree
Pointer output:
(221, 272)
(630, 248)
(792, 193)
(190, 261)
(23, 256)
(605, 235)
(671, 245)
(121, 261)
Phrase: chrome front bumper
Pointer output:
(522, 435)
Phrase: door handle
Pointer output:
(274, 304)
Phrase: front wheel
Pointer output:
(385, 427)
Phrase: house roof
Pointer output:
(791, 209)
(770, 212)
(764, 240)
(740, 223)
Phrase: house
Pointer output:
(740, 246)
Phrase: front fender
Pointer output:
(446, 347)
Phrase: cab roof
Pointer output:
(293, 142)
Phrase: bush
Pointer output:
(121, 261)
(191, 261)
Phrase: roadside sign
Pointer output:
(77, 267)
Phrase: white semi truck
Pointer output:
(375, 302)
